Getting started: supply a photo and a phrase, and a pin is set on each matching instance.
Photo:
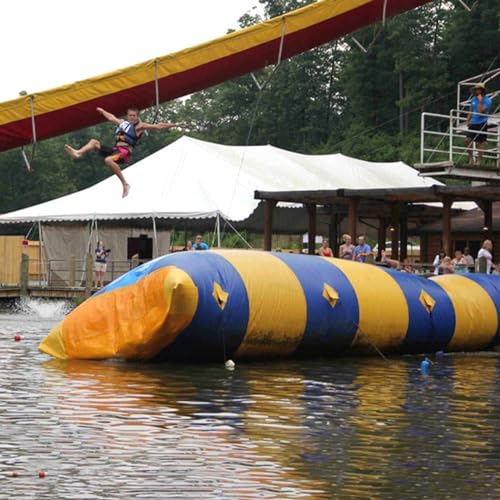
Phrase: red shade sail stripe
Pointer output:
(72, 107)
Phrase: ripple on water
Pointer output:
(334, 428)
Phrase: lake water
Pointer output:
(332, 428)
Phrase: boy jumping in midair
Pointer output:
(127, 134)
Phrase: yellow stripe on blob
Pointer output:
(383, 310)
(476, 320)
(277, 305)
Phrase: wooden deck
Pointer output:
(44, 292)
(451, 170)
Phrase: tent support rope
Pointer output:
(27, 161)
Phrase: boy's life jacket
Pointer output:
(125, 132)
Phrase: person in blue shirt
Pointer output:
(199, 244)
(477, 122)
(361, 250)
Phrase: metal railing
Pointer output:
(70, 273)
(442, 138)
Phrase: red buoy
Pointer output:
(42, 474)
(14, 474)
(17, 338)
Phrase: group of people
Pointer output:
(463, 262)
(348, 250)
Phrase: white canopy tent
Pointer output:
(193, 181)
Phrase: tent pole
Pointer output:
(238, 233)
(40, 243)
(155, 237)
(218, 229)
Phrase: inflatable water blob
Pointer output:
(245, 304)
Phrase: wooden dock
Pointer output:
(64, 293)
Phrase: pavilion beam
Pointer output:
(311, 246)
(352, 217)
(447, 202)
(395, 216)
(268, 224)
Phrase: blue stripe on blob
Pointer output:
(426, 332)
(213, 333)
(491, 285)
(212, 329)
(328, 329)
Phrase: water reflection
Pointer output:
(337, 428)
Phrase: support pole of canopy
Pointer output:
(237, 232)
(217, 228)
(155, 238)
(88, 249)
(40, 238)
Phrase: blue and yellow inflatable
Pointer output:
(245, 304)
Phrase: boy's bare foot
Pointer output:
(71, 151)
(126, 189)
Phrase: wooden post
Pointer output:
(89, 264)
(72, 271)
(268, 224)
(353, 218)
(380, 237)
(403, 232)
(395, 212)
(486, 206)
(311, 231)
(447, 225)
(333, 232)
(25, 264)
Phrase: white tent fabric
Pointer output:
(195, 179)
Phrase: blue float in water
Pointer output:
(424, 366)
(439, 354)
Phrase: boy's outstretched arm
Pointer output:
(109, 116)
(157, 126)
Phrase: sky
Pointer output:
(50, 43)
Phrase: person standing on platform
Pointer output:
(477, 122)
(101, 255)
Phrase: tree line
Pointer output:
(364, 103)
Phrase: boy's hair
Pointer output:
(133, 108)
